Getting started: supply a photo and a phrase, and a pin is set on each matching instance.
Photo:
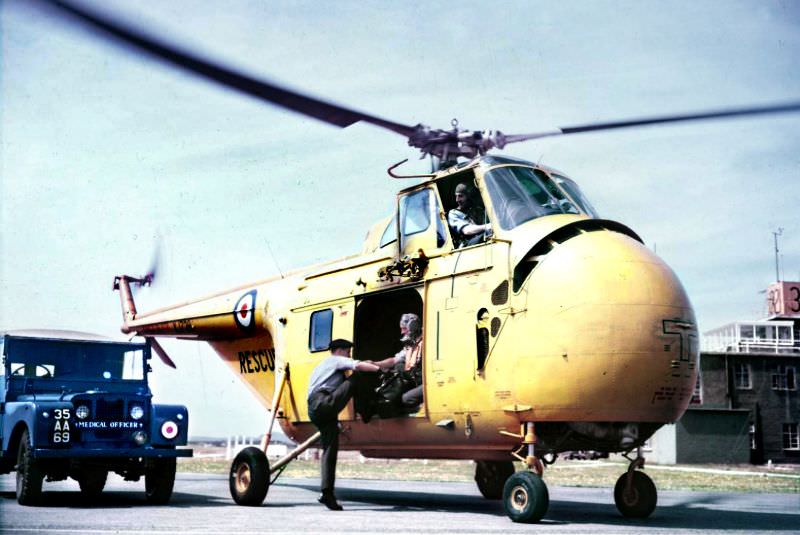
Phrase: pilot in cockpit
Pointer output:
(468, 220)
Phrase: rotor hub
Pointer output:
(454, 143)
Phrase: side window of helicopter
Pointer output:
(441, 233)
(415, 212)
(390, 234)
(319, 335)
(418, 210)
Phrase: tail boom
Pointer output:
(230, 315)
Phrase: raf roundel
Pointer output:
(169, 430)
(244, 311)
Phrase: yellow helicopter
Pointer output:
(550, 330)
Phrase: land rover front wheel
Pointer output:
(159, 478)
(29, 473)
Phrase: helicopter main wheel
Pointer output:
(525, 497)
(249, 477)
(491, 476)
(638, 501)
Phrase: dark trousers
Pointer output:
(412, 398)
(324, 407)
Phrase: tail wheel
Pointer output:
(639, 499)
(525, 497)
(159, 479)
(92, 482)
(249, 477)
(29, 473)
(491, 476)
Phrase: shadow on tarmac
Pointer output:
(700, 513)
(118, 500)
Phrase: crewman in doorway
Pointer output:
(328, 393)
(407, 363)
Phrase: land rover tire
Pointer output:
(29, 473)
(159, 478)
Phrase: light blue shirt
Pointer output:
(330, 373)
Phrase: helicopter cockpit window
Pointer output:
(518, 196)
(415, 212)
(563, 201)
(319, 336)
(463, 206)
(577, 195)
(390, 234)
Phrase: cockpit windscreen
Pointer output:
(520, 194)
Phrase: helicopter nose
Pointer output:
(611, 327)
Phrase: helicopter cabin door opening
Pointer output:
(376, 333)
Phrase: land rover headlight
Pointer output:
(137, 412)
(82, 412)
(140, 437)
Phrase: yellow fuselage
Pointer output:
(595, 340)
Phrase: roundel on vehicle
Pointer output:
(244, 311)
(169, 430)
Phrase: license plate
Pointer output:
(61, 429)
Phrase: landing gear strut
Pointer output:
(250, 474)
(635, 493)
(525, 495)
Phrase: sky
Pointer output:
(104, 153)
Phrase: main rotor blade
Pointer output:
(612, 125)
(204, 68)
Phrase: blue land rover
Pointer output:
(77, 405)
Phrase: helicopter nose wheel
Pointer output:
(525, 497)
(635, 493)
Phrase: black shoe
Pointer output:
(329, 500)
